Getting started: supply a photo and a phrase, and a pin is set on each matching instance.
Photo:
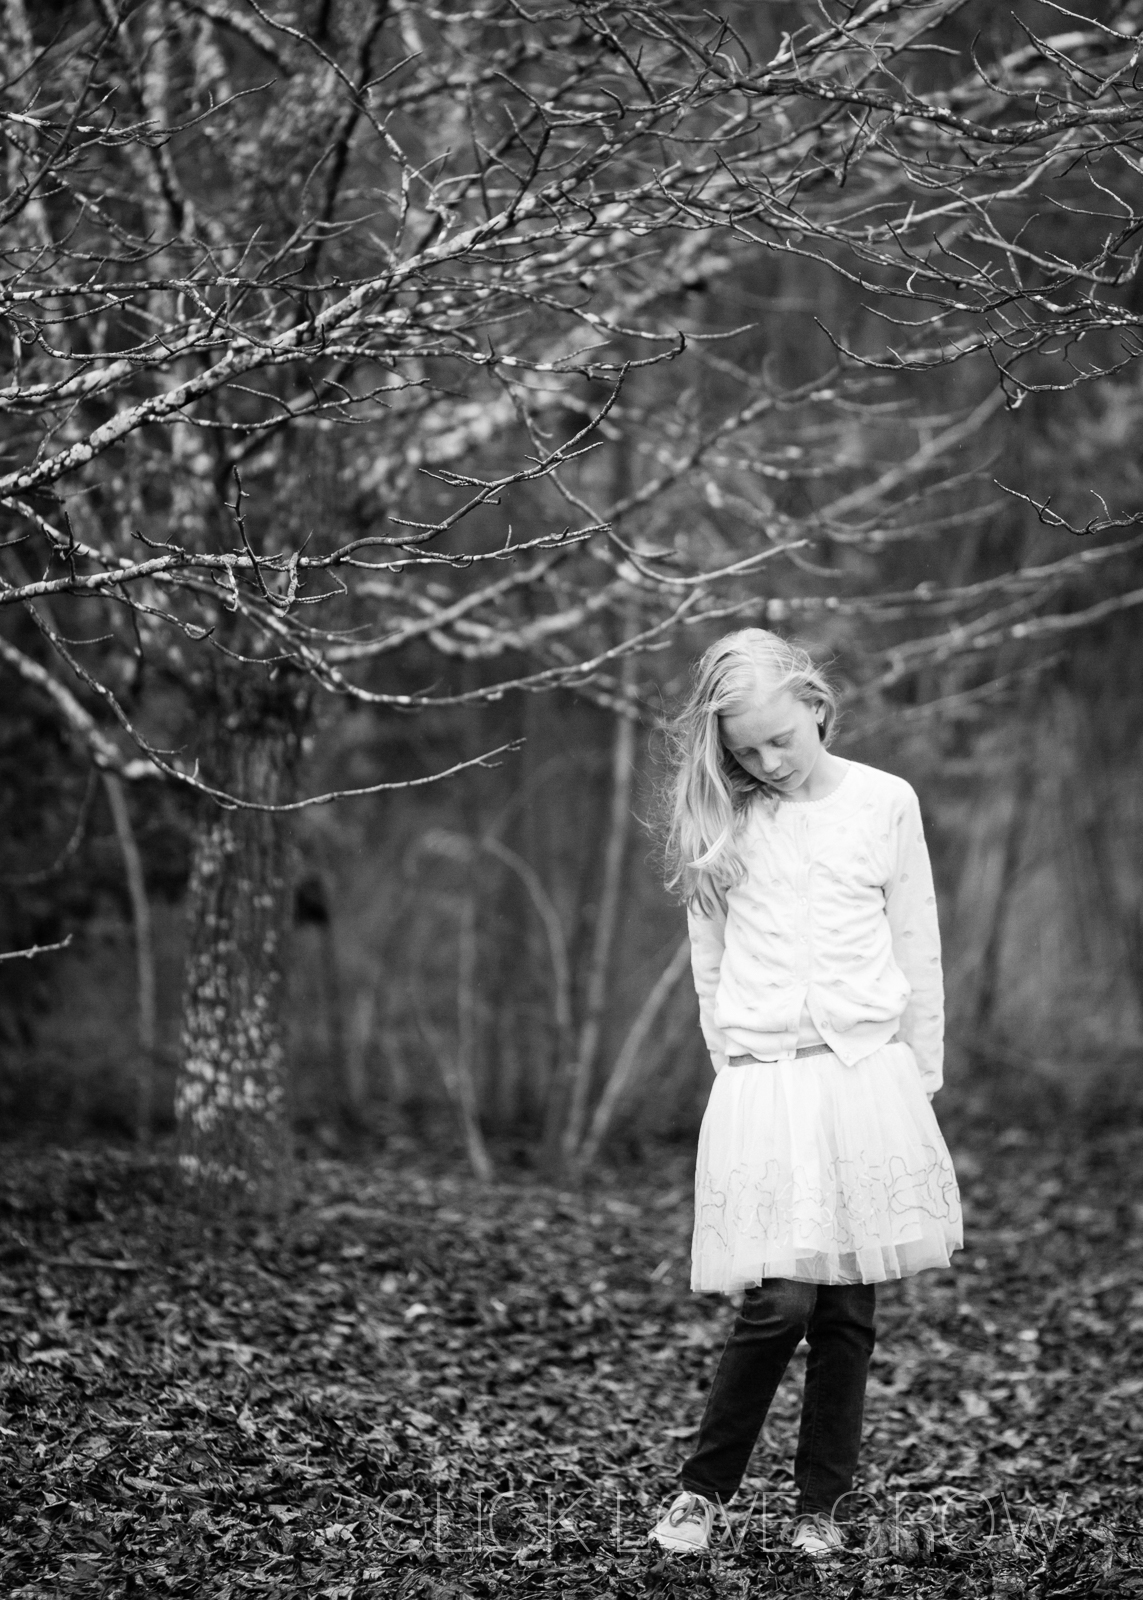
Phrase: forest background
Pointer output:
(827, 322)
(396, 397)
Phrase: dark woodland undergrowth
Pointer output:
(415, 1387)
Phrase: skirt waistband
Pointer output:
(806, 1050)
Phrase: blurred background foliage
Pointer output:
(463, 955)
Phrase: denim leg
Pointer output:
(773, 1318)
(841, 1337)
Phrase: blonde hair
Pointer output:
(708, 792)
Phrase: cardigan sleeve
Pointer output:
(911, 905)
(707, 939)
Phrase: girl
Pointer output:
(821, 1169)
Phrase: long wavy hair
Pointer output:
(707, 792)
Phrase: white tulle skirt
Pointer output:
(814, 1170)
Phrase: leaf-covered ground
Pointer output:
(416, 1387)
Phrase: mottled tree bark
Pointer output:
(231, 1101)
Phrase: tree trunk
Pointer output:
(599, 973)
(231, 1101)
(554, 935)
(343, 1067)
(464, 1070)
(362, 1022)
(606, 921)
(1023, 789)
(1111, 849)
(456, 1063)
(144, 955)
(625, 1072)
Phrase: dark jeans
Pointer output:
(837, 1321)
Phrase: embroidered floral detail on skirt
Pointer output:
(813, 1170)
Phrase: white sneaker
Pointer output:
(686, 1526)
(817, 1535)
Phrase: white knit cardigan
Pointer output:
(836, 918)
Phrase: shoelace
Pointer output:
(690, 1512)
(821, 1530)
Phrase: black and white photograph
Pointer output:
(571, 812)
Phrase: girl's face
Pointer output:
(774, 736)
